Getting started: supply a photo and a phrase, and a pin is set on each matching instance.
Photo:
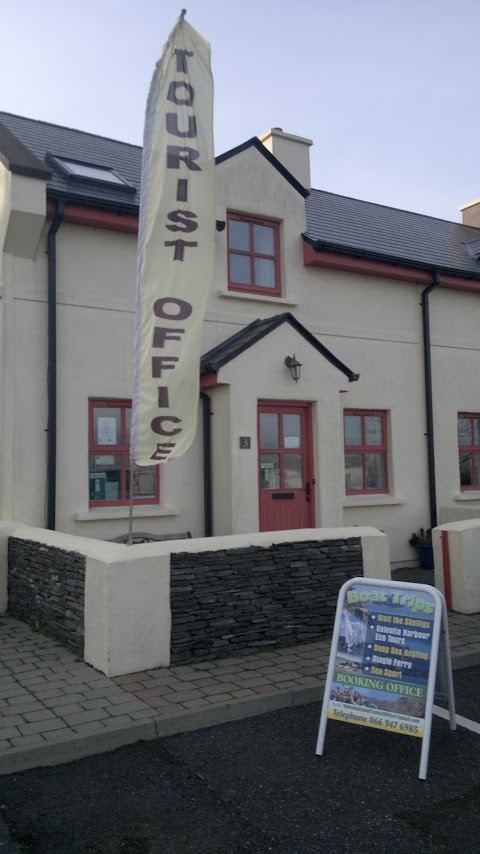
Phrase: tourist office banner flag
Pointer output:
(176, 246)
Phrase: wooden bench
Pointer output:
(145, 537)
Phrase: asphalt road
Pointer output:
(256, 786)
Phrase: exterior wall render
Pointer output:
(372, 324)
(96, 284)
(455, 354)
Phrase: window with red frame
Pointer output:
(365, 451)
(469, 450)
(253, 255)
(109, 458)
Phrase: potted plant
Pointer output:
(422, 543)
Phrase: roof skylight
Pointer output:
(87, 171)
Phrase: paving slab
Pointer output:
(71, 710)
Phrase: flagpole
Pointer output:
(130, 507)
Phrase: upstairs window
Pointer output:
(253, 255)
(365, 451)
(109, 458)
(469, 450)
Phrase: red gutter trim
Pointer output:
(447, 577)
(209, 380)
(380, 269)
(96, 218)
(336, 261)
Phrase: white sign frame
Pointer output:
(440, 660)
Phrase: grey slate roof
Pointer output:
(405, 237)
(227, 350)
(42, 138)
(333, 222)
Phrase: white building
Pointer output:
(335, 282)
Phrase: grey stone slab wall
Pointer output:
(244, 600)
(46, 588)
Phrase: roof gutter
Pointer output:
(52, 367)
(427, 361)
(382, 257)
(117, 206)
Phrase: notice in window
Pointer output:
(291, 441)
(98, 481)
(107, 431)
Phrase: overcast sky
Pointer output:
(387, 89)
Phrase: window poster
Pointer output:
(268, 476)
(291, 441)
(382, 658)
(106, 430)
(98, 482)
(105, 460)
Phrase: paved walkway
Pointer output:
(55, 708)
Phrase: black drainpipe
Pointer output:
(429, 398)
(207, 466)
(52, 366)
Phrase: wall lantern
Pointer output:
(295, 367)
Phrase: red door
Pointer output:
(285, 471)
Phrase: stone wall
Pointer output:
(46, 587)
(242, 600)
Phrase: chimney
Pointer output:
(292, 151)
(471, 213)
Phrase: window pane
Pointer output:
(238, 235)
(376, 471)
(264, 239)
(353, 430)
(293, 476)
(240, 269)
(353, 471)
(373, 430)
(107, 425)
(270, 471)
(466, 470)
(265, 273)
(83, 170)
(292, 431)
(128, 425)
(476, 427)
(464, 431)
(268, 430)
(105, 475)
(144, 482)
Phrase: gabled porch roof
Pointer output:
(229, 349)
